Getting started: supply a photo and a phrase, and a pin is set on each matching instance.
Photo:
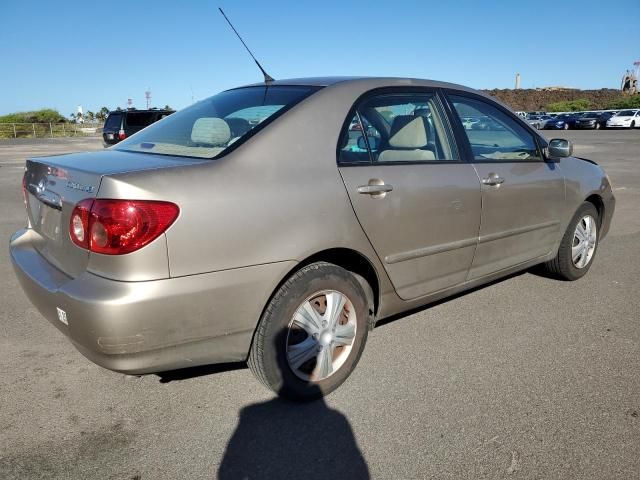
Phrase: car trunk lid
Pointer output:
(54, 185)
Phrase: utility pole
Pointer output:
(147, 95)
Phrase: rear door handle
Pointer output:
(493, 180)
(375, 189)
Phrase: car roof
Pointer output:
(388, 81)
(135, 110)
(360, 83)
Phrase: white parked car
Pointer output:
(625, 119)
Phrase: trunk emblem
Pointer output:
(79, 186)
(41, 186)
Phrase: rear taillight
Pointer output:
(121, 135)
(116, 227)
(79, 223)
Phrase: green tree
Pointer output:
(46, 115)
(90, 116)
(569, 106)
(388, 115)
(102, 114)
(167, 107)
(628, 102)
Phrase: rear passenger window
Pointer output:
(493, 134)
(398, 128)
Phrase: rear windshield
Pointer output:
(208, 128)
(140, 119)
(113, 122)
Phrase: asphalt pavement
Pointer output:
(527, 378)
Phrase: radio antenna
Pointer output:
(267, 77)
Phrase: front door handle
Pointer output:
(493, 180)
(376, 188)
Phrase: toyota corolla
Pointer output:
(277, 223)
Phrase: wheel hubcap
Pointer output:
(320, 335)
(584, 242)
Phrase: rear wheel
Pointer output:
(566, 126)
(633, 124)
(578, 246)
(312, 333)
(597, 126)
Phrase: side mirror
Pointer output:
(373, 142)
(560, 148)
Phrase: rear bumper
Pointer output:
(145, 327)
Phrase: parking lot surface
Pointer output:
(525, 378)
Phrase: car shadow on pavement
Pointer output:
(283, 439)
(193, 372)
(398, 316)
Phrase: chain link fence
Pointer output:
(49, 130)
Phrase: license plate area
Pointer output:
(49, 222)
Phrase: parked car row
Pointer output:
(585, 120)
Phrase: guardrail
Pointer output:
(49, 130)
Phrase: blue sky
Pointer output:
(61, 54)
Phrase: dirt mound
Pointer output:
(528, 100)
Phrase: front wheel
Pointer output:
(312, 333)
(597, 126)
(633, 124)
(566, 126)
(578, 246)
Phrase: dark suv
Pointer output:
(121, 124)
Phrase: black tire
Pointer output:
(633, 125)
(562, 266)
(268, 355)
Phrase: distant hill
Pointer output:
(528, 100)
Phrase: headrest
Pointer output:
(211, 131)
(421, 112)
(408, 131)
(238, 126)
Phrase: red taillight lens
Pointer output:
(122, 135)
(116, 227)
(79, 223)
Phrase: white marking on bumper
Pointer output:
(62, 316)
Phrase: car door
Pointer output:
(522, 194)
(418, 203)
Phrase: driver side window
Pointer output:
(493, 135)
